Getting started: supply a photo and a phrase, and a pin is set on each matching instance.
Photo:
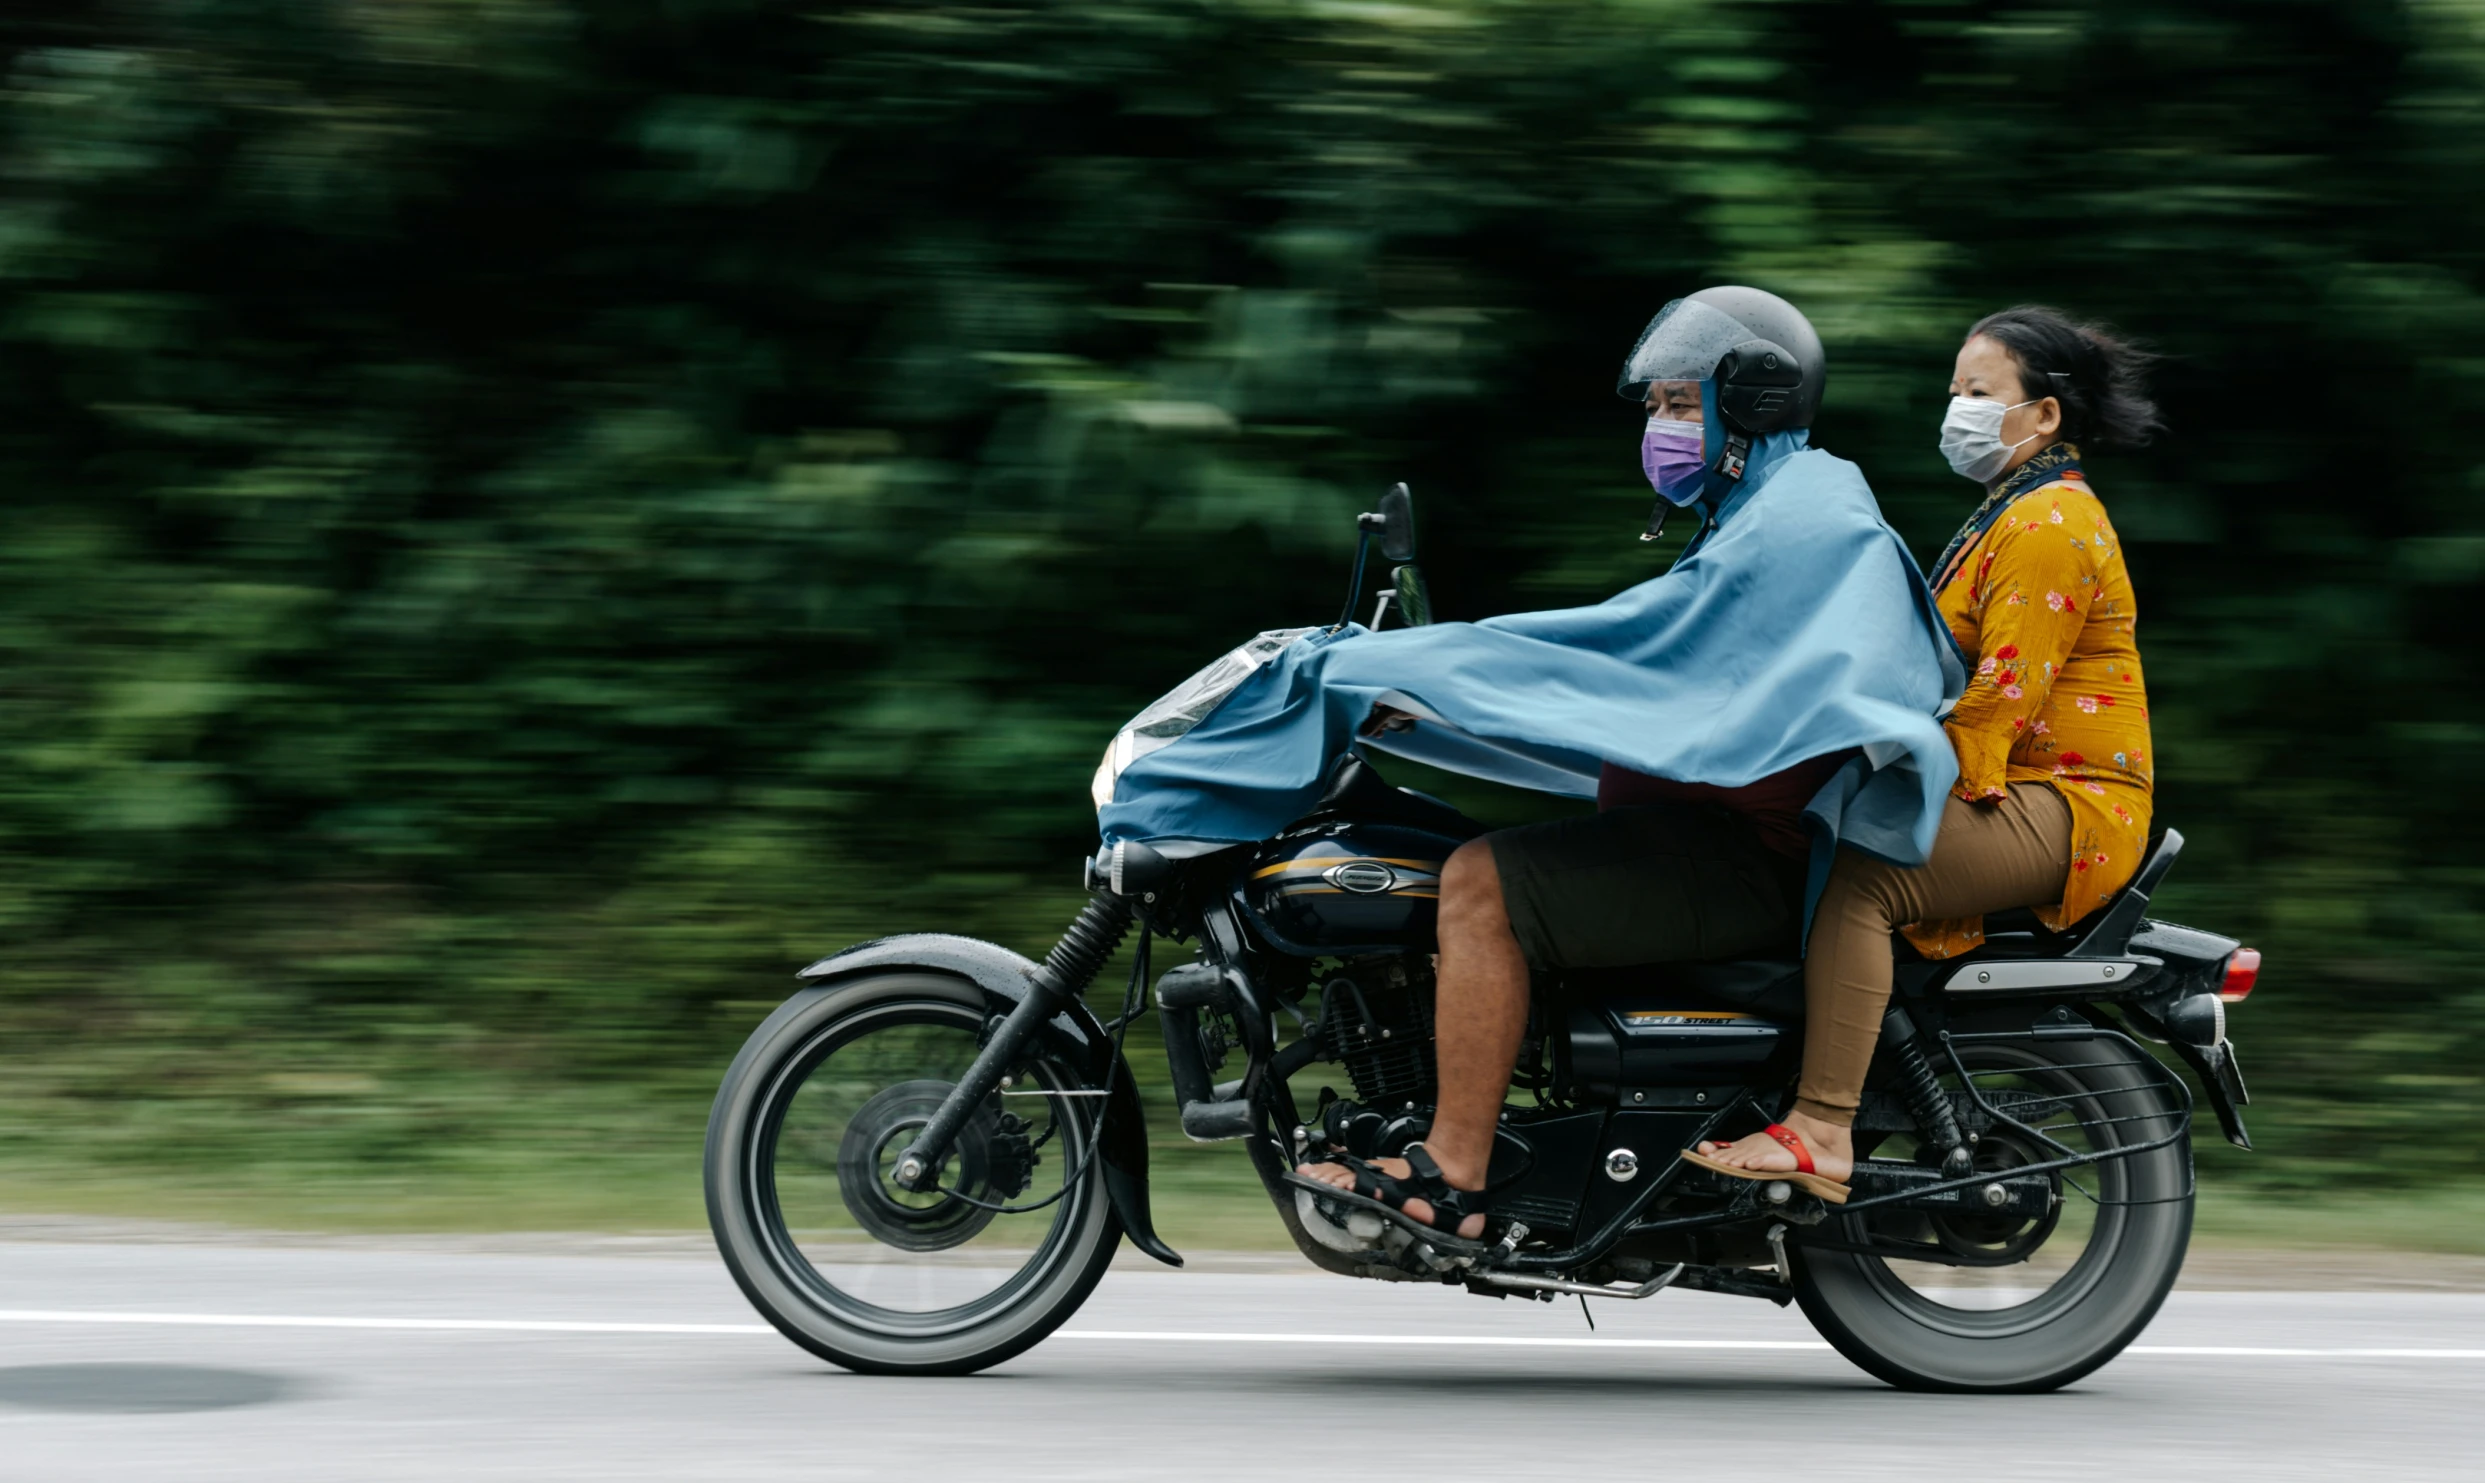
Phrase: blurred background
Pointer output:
(527, 521)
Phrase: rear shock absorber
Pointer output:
(1063, 975)
(1926, 1101)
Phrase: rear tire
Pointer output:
(813, 1303)
(2090, 1312)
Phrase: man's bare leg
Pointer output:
(1479, 1017)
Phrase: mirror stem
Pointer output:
(1354, 586)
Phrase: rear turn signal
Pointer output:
(2242, 971)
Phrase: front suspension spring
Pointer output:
(1089, 939)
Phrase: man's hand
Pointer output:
(1385, 718)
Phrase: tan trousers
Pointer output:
(1988, 857)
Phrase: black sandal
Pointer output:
(1450, 1205)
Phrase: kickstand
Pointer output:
(1584, 1313)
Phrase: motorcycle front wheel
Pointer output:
(861, 1272)
(2004, 1304)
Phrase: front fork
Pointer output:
(1054, 984)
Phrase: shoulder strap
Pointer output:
(2048, 467)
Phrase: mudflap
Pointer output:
(2223, 1078)
(1125, 1150)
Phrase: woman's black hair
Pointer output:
(2100, 379)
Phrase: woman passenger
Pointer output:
(2051, 808)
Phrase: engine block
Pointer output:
(1376, 1017)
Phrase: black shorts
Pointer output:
(1650, 883)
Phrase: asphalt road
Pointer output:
(162, 1361)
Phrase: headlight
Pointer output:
(1109, 771)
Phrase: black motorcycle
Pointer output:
(923, 1161)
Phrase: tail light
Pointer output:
(2242, 971)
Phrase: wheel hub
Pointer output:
(867, 1171)
(1998, 1238)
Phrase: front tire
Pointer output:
(868, 1277)
(1917, 1334)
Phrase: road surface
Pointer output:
(153, 1360)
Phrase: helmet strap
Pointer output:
(1737, 454)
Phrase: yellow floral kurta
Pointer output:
(2043, 603)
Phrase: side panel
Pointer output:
(1002, 975)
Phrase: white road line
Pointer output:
(1514, 1341)
(1496, 1341)
(1421, 1341)
(294, 1321)
(2222, 1351)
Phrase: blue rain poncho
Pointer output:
(1795, 626)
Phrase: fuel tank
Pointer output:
(1346, 887)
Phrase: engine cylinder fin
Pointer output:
(1377, 1019)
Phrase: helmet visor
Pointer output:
(1683, 343)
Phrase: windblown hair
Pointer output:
(2100, 378)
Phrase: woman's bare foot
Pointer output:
(1833, 1150)
(1344, 1178)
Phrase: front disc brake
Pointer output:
(867, 1163)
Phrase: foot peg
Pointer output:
(1208, 1122)
(1548, 1286)
(1194, 986)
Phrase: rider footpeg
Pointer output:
(1209, 1122)
(1194, 986)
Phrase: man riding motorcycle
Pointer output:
(1243, 813)
(1670, 868)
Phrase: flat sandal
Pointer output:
(1802, 1177)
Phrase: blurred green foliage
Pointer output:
(529, 519)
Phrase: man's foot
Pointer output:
(1344, 1178)
(1833, 1150)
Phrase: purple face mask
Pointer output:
(1672, 456)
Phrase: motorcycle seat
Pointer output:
(1773, 987)
(2103, 933)
(1769, 987)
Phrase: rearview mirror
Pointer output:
(1394, 523)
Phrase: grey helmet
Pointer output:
(1759, 349)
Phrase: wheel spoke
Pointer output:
(1998, 1302)
(879, 1253)
(2005, 1265)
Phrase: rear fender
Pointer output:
(1075, 1032)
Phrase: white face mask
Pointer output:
(1971, 437)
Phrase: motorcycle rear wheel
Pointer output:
(842, 1262)
(2098, 1298)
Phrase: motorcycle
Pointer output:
(923, 1161)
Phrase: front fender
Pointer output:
(1002, 976)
